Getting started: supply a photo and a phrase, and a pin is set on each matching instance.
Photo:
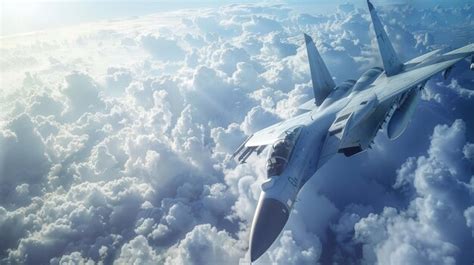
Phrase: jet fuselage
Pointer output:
(279, 191)
(341, 119)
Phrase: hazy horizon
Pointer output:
(26, 16)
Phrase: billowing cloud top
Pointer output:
(115, 140)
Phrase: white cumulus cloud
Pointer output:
(115, 141)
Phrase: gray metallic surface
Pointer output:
(402, 115)
(270, 218)
(322, 79)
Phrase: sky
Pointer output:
(117, 123)
(32, 15)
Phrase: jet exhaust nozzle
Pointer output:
(270, 218)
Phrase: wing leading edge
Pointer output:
(388, 87)
(267, 136)
(273, 133)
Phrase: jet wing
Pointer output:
(422, 59)
(308, 105)
(387, 88)
(259, 140)
(272, 133)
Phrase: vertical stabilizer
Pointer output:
(391, 63)
(322, 80)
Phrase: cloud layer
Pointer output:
(115, 142)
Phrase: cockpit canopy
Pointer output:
(367, 78)
(281, 151)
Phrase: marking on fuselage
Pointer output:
(292, 181)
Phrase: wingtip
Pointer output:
(371, 7)
(307, 38)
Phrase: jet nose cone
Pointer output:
(270, 218)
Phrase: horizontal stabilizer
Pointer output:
(322, 80)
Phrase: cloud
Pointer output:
(258, 118)
(274, 46)
(23, 160)
(138, 251)
(115, 142)
(289, 252)
(228, 139)
(262, 25)
(82, 93)
(162, 48)
(463, 92)
(433, 228)
(469, 215)
(204, 244)
(84, 218)
(117, 79)
(228, 57)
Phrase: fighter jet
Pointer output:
(343, 119)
